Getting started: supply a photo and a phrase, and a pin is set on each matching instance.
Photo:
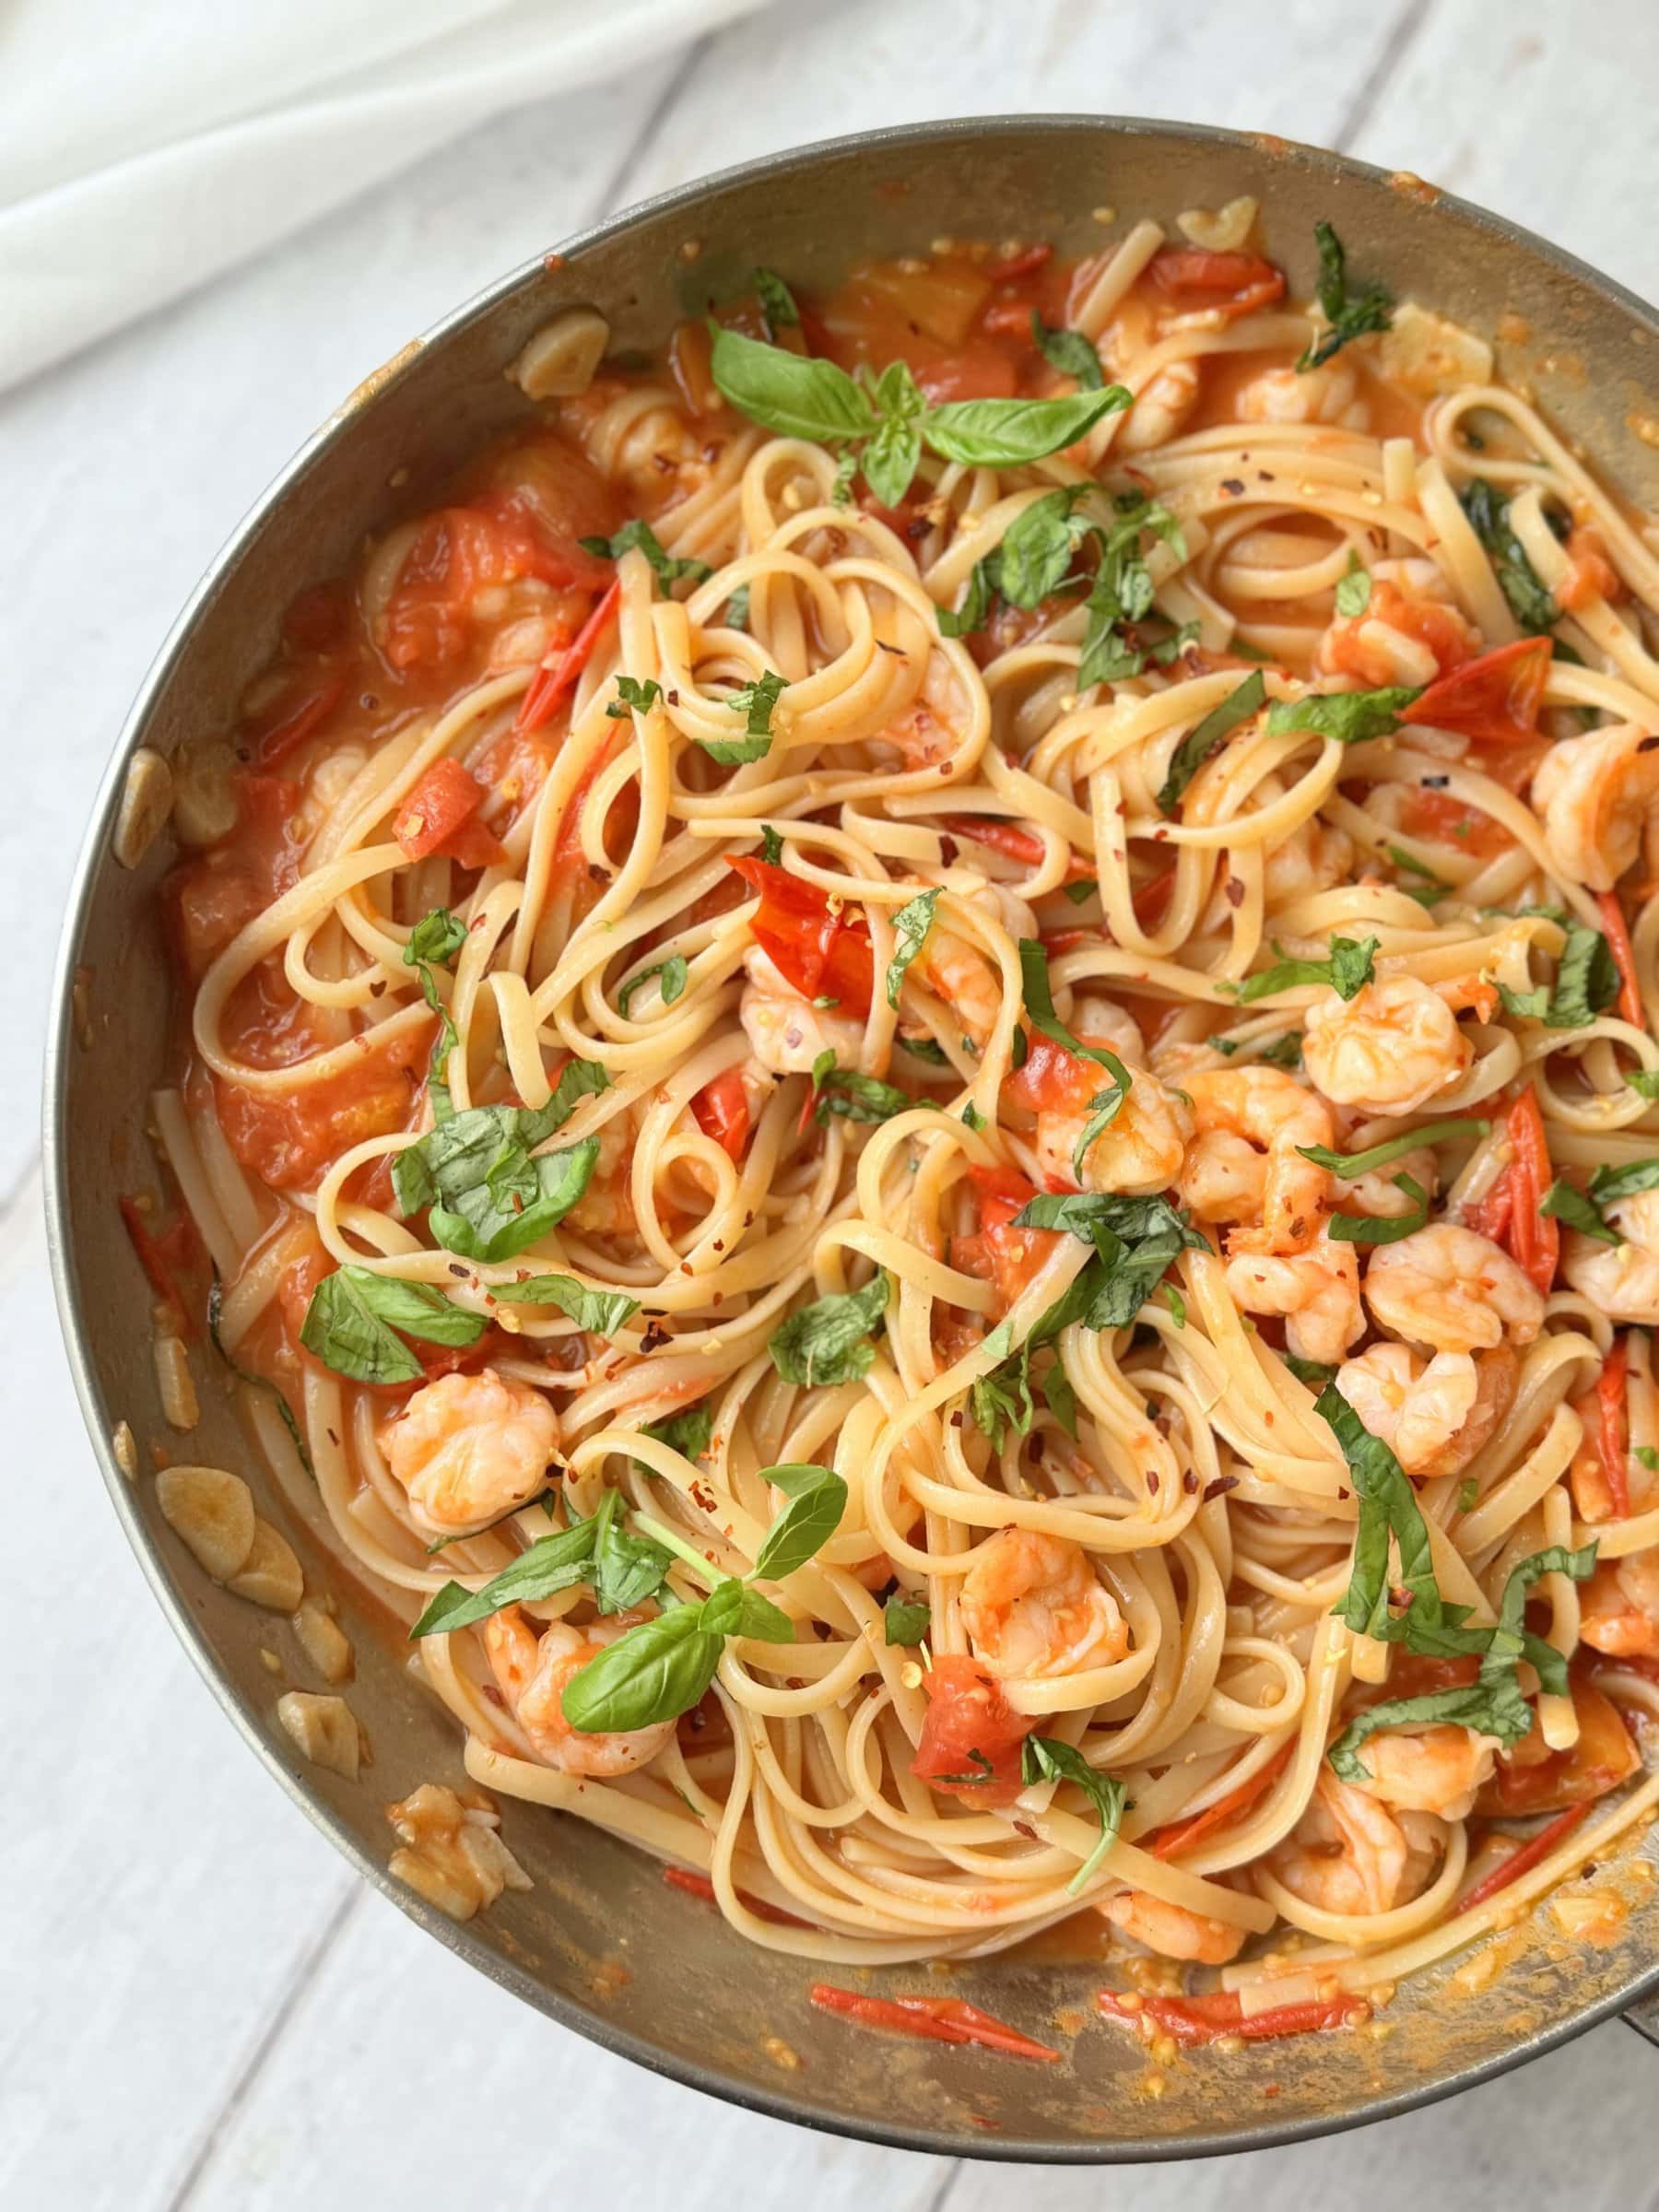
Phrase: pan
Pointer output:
(598, 1943)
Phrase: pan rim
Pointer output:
(61, 1045)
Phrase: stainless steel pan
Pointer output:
(690, 1999)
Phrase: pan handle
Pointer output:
(1643, 2015)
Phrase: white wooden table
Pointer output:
(201, 2005)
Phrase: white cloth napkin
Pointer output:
(146, 145)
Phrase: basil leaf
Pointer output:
(828, 1340)
(1586, 979)
(1648, 1456)
(1468, 1494)
(1348, 969)
(653, 1672)
(1121, 592)
(433, 942)
(518, 1200)
(673, 972)
(1046, 1759)
(771, 846)
(910, 924)
(1002, 1399)
(818, 1498)
(1350, 315)
(1563, 1203)
(1198, 744)
(550, 1565)
(436, 938)
(1103, 1109)
(1351, 717)
(1135, 1238)
(689, 1432)
(1385, 1228)
(796, 395)
(353, 1312)
(1314, 1372)
(906, 1621)
(601, 1313)
(756, 702)
(927, 1049)
(1006, 433)
(1037, 547)
(626, 1569)
(1083, 1213)
(737, 608)
(1529, 601)
(633, 698)
(1527, 1006)
(1350, 1166)
(975, 610)
(852, 1097)
(1608, 1185)
(777, 310)
(1068, 351)
(892, 456)
(1387, 1506)
(1644, 1082)
(1353, 593)
(637, 534)
(972, 1118)
(1037, 995)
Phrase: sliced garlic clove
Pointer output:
(271, 1575)
(212, 1511)
(324, 1729)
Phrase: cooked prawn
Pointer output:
(469, 1448)
(1140, 1150)
(1449, 1287)
(1033, 1607)
(1347, 1853)
(1409, 633)
(1172, 1930)
(533, 1672)
(1245, 1164)
(961, 975)
(1379, 1194)
(1618, 1607)
(1435, 1770)
(1435, 1416)
(1328, 393)
(1620, 1280)
(786, 1032)
(1390, 1049)
(1595, 795)
(1316, 1291)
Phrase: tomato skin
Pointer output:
(1237, 283)
(1053, 1080)
(460, 551)
(823, 954)
(1530, 1778)
(721, 1109)
(438, 810)
(967, 1713)
(302, 709)
(1495, 699)
(1009, 1256)
(1436, 814)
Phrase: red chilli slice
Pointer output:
(1521, 1862)
(1195, 2020)
(938, 2019)
(698, 1885)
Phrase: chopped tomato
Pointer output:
(1183, 1836)
(1592, 574)
(290, 1137)
(1194, 2021)
(1436, 814)
(1616, 931)
(558, 676)
(972, 371)
(822, 950)
(1151, 899)
(940, 2019)
(1495, 699)
(437, 816)
(1053, 1080)
(1440, 628)
(457, 553)
(1530, 1778)
(972, 1736)
(299, 1279)
(156, 1262)
(317, 618)
(721, 1109)
(1014, 843)
(301, 707)
(1534, 1237)
(1531, 1853)
(1611, 1433)
(1236, 283)
(1009, 1256)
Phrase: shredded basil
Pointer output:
(673, 974)
(1208, 737)
(1047, 1759)
(1068, 351)
(828, 1341)
(910, 924)
(1348, 970)
(1351, 717)
(640, 535)
(354, 1313)
(1351, 314)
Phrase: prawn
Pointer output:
(1141, 1148)
(1434, 1415)
(1245, 1164)
(1317, 1292)
(1329, 393)
(786, 1031)
(1172, 1930)
(1595, 795)
(1378, 1193)
(1451, 1287)
(1348, 1855)
(1409, 633)
(1618, 1607)
(1034, 1608)
(1436, 1769)
(961, 975)
(533, 1671)
(1390, 1049)
(469, 1449)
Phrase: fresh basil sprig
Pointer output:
(601, 1313)
(1351, 717)
(1350, 967)
(489, 1198)
(639, 535)
(1586, 983)
(778, 309)
(1047, 1759)
(886, 420)
(1122, 593)
(1068, 351)
(828, 1341)
(1351, 314)
(1208, 737)
(353, 1313)
(849, 1096)
(1529, 601)
(1028, 564)
(623, 1570)
(663, 1667)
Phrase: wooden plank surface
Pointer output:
(202, 2008)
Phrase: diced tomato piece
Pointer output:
(1237, 283)
(156, 1262)
(554, 678)
(972, 1736)
(440, 806)
(461, 551)
(1530, 1778)
(1436, 814)
(1181, 1836)
(823, 952)
(721, 1109)
(1009, 1256)
(290, 1137)
(972, 372)
(1534, 1237)
(1618, 933)
(300, 1278)
(1053, 1080)
(1592, 574)
(1429, 621)
(1495, 699)
(939, 2019)
(302, 708)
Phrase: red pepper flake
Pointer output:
(698, 1885)
(1220, 1486)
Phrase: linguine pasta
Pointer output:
(974, 1083)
